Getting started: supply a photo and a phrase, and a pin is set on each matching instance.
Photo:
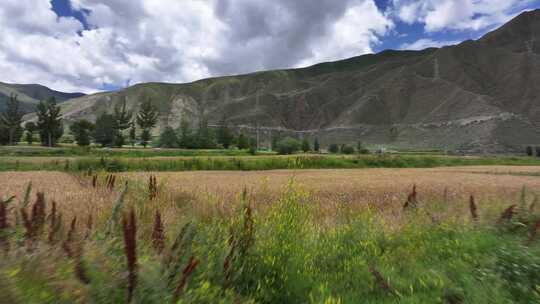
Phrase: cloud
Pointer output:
(425, 43)
(177, 41)
(438, 15)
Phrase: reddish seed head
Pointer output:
(473, 208)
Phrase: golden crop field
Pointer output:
(312, 226)
(380, 188)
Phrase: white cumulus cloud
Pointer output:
(133, 41)
(439, 15)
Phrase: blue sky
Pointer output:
(94, 45)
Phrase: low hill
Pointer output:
(31, 94)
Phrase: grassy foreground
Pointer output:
(250, 163)
(142, 248)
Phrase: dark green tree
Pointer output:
(10, 121)
(49, 122)
(168, 139)
(288, 145)
(345, 149)
(360, 149)
(132, 133)
(185, 134)
(81, 131)
(122, 121)
(316, 145)
(333, 148)
(305, 145)
(205, 136)
(147, 119)
(243, 142)
(30, 127)
(225, 136)
(252, 146)
(104, 130)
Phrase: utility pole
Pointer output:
(257, 126)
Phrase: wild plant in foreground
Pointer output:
(94, 181)
(33, 223)
(110, 181)
(152, 188)
(158, 236)
(239, 244)
(380, 281)
(186, 273)
(532, 207)
(116, 209)
(55, 224)
(4, 223)
(129, 226)
(507, 214)
(473, 208)
(70, 238)
(533, 232)
(89, 226)
(412, 200)
(181, 248)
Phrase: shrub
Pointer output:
(333, 148)
(243, 142)
(316, 145)
(347, 149)
(288, 145)
(529, 150)
(168, 139)
(305, 145)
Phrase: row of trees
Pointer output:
(204, 137)
(48, 125)
(110, 129)
(532, 151)
(289, 145)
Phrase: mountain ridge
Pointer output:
(479, 95)
(31, 94)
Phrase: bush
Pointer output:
(347, 149)
(333, 148)
(168, 139)
(288, 145)
(305, 145)
(529, 151)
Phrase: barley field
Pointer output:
(437, 235)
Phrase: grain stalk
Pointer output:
(152, 188)
(473, 209)
(158, 236)
(412, 200)
(129, 226)
(380, 281)
(186, 273)
(533, 232)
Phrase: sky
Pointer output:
(96, 45)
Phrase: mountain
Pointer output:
(31, 94)
(479, 95)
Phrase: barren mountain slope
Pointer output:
(478, 95)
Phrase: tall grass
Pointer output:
(116, 164)
(282, 253)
